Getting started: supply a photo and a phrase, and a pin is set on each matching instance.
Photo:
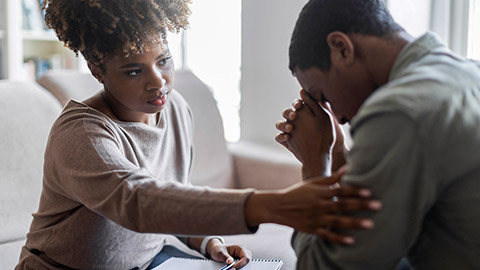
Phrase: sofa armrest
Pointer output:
(263, 167)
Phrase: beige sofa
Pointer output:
(27, 111)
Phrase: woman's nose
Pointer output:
(155, 81)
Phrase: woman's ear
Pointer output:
(342, 49)
(97, 72)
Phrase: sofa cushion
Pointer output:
(264, 167)
(212, 162)
(27, 112)
(69, 84)
(10, 253)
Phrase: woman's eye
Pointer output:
(133, 72)
(164, 61)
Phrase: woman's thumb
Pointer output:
(224, 256)
(335, 178)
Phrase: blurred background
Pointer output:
(237, 47)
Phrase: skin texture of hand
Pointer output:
(312, 138)
(313, 206)
(313, 135)
(222, 252)
(225, 253)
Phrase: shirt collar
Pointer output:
(413, 52)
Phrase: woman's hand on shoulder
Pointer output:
(317, 206)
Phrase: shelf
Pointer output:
(20, 47)
(39, 35)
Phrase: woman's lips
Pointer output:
(159, 101)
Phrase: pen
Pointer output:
(226, 267)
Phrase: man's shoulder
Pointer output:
(425, 87)
(411, 97)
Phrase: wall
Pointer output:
(267, 85)
(2, 39)
(2, 19)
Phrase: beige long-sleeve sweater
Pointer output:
(110, 188)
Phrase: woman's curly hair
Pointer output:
(101, 28)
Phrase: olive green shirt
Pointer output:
(416, 144)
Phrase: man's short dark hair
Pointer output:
(319, 18)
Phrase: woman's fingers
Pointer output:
(352, 204)
(344, 222)
(220, 253)
(241, 263)
(333, 237)
(244, 255)
(349, 191)
(330, 180)
(331, 189)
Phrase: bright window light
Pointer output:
(413, 15)
(175, 47)
(473, 49)
(213, 53)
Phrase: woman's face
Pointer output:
(138, 85)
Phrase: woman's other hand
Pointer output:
(228, 253)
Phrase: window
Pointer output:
(413, 15)
(211, 48)
(457, 22)
(473, 50)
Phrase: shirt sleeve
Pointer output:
(388, 157)
(86, 163)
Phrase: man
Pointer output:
(414, 110)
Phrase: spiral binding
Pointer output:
(253, 260)
(278, 262)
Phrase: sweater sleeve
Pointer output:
(86, 163)
(387, 158)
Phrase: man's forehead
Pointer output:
(309, 76)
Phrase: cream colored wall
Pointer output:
(267, 85)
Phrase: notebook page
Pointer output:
(203, 264)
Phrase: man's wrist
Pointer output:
(318, 167)
(338, 160)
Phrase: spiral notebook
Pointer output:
(204, 264)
